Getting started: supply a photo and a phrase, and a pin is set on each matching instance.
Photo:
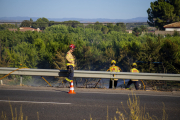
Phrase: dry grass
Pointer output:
(15, 115)
(3, 116)
(136, 112)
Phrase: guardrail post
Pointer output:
(75, 81)
(113, 84)
(113, 81)
(86, 83)
(1, 82)
(21, 80)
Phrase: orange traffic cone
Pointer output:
(71, 91)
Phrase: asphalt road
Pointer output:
(57, 104)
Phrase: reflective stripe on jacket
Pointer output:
(114, 69)
(134, 70)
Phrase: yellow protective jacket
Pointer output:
(70, 59)
(134, 70)
(114, 69)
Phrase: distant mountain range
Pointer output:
(82, 20)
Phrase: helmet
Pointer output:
(113, 61)
(72, 46)
(134, 64)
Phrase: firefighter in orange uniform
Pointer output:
(136, 82)
(113, 68)
(70, 63)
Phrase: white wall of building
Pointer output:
(172, 29)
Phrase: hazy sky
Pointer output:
(112, 9)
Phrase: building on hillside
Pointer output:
(129, 31)
(172, 27)
(169, 29)
(23, 29)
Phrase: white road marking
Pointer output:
(35, 102)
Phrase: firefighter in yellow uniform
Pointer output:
(113, 68)
(136, 82)
(70, 63)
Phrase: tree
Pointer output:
(31, 20)
(144, 28)
(59, 61)
(162, 12)
(105, 29)
(51, 23)
(176, 4)
(176, 33)
(5, 26)
(98, 26)
(122, 26)
(170, 56)
(41, 23)
(148, 54)
(26, 23)
(57, 28)
(73, 23)
(137, 31)
(110, 26)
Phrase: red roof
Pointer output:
(173, 25)
(27, 28)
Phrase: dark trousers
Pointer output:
(115, 83)
(136, 84)
(70, 72)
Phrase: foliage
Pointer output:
(164, 12)
(97, 45)
(131, 26)
(121, 27)
(144, 28)
(41, 23)
(5, 26)
(73, 24)
(170, 51)
(137, 31)
(176, 33)
(26, 23)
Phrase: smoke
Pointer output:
(38, 81)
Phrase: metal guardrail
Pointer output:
(91, 74)
(34, 72)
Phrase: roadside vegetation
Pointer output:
(135, 111)
(96, 46)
